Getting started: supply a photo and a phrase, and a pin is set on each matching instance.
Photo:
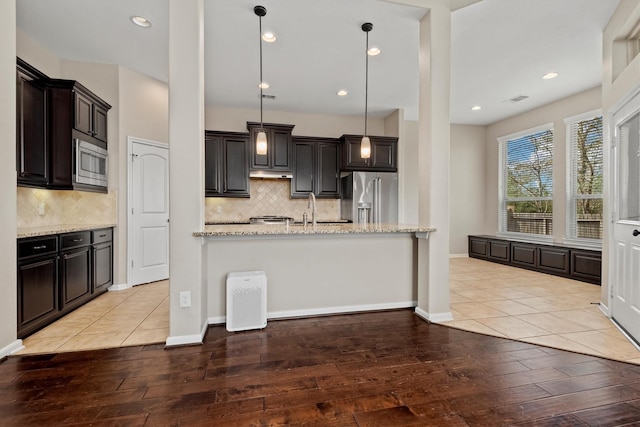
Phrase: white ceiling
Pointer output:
(500, 49)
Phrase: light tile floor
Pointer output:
(134, 316)
(486, 297)
(504, 301)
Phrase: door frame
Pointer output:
(131, 140)
(612, 202)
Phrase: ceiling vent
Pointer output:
(515, 99)
(265, 96)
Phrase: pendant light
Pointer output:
(365, 144)
(261, 137)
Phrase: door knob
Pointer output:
(635, 233)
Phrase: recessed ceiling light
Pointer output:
(263, 85)
(269, 37)
(342, 92)
(141, 21)
(374, 51)
(551, 75)
(476, 108)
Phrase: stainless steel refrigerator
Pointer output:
(370, 197)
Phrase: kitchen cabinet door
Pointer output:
(279, 147)
(90, 114)
(101, 260)
(235, 166)
(212, 187)
(383, 154)
(226, 164)
(328, 170)
(31, 133)
(304, 158)
(75, 282)
(37, 294)
(315, 167)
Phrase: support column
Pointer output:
(433, 158)
(8, 306)
(186, 170)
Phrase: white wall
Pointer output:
(555, 113)
(467, 192)
(8, 315)
(143, 113)
(322, 125)
(33, 53)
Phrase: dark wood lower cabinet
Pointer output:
(37, 293)
(59, 273)
(579, 264)
(76, 278)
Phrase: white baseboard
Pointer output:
(218, 320)
(11, 348)
(434, 317)
(187, 339)
(604, 309)
(458, 255)
(338, 310)
(120, 287)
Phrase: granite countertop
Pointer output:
(275, 230)
(58, 229)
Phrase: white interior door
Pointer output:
(625, 254)
(148, 212)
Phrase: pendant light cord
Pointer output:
(366, 84)
(261, 82)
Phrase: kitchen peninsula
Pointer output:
(328, 269)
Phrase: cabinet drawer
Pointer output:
(478, 247)
(499, 250)
(554, 260)
(101, 236)
(523, 254)
(586, 265)
(74, 240)
(37, 246)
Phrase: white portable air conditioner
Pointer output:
(246, 300)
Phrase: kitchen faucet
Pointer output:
(312, 204)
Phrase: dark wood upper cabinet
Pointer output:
(226, 164)
(90, 113)
(279, 149)
(50, 114)
(315, 167)
(32, 149)
(384, 153)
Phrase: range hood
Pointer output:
(270, 174)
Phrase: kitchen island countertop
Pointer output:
(275, 230)
(46, 230)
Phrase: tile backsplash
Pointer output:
(268, 197)
(64, 207)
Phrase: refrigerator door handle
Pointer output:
(378, 200)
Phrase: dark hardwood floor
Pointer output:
(374, 369)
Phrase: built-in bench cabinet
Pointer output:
(579, 264)
(58, 273)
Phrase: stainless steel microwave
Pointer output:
(91, 164)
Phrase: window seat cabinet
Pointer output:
(60, 272)
(560, 260)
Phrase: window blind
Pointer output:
(527, 183)
(585, 175)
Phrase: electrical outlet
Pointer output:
(40, 208)
(185, 299)
(219, 209)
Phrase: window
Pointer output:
(526, 182)
(584, 170)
